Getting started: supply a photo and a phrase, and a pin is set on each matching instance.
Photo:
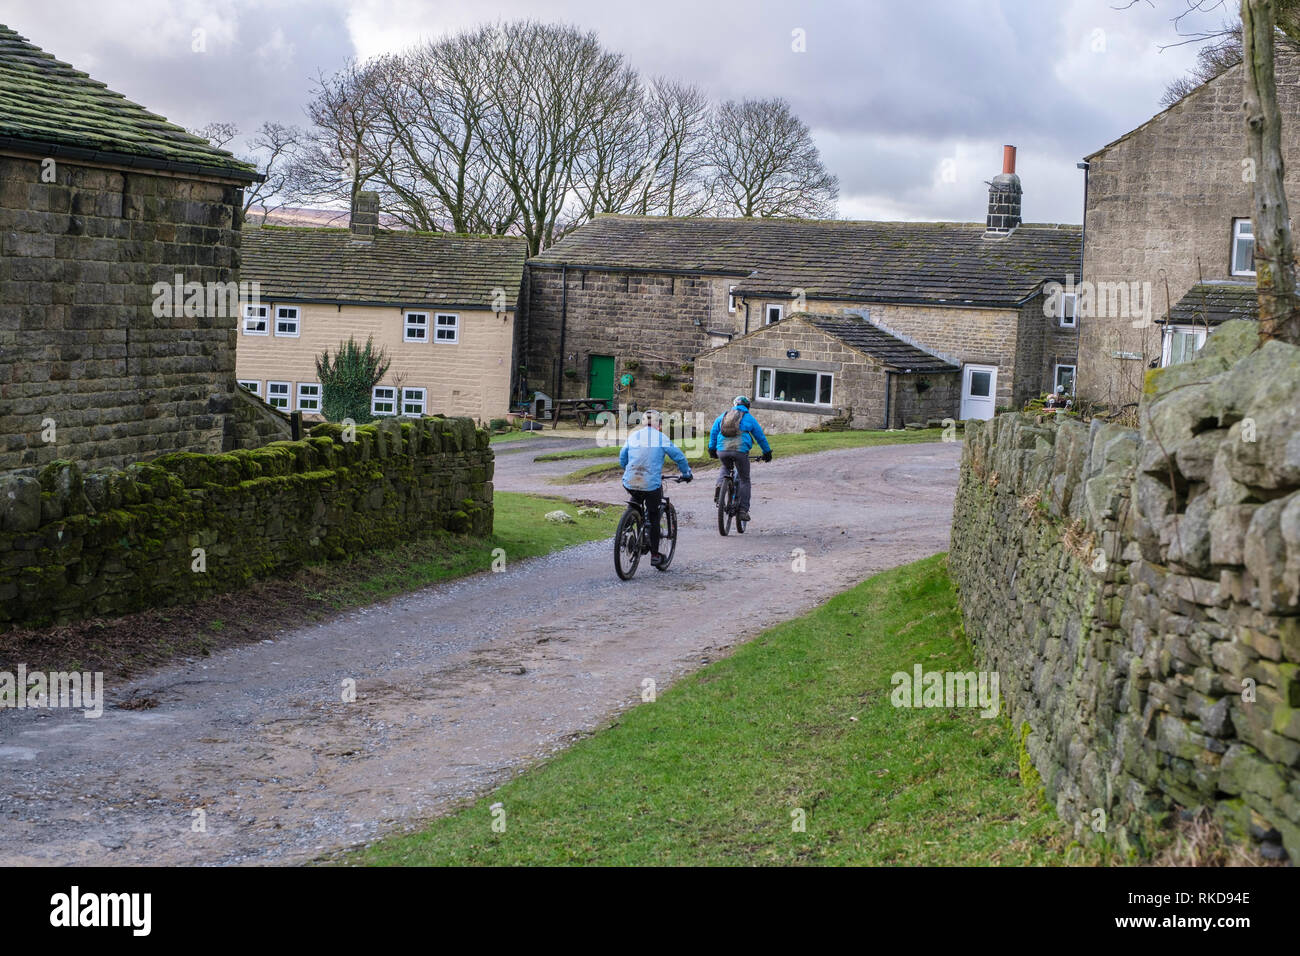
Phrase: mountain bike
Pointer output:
(726, 499)
(632, 539)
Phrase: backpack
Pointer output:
(731, 422)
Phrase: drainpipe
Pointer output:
(889, 390)
(746, 301)
(564, 322)
(1078, 319)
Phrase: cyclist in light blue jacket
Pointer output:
(642, 459)
(732, 436)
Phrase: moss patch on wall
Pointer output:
(185, 525)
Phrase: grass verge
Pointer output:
(783, 446)
(798, 719)
(124, 646)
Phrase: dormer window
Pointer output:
(1243, 247)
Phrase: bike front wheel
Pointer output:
(627, 544)
(667, 534)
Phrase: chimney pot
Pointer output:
(1008, 159)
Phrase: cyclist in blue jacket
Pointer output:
(733, 434)
(642, 459)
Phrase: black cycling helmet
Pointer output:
(741, 400)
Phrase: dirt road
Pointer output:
(252, 755)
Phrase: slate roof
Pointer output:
(47, 108)
(1214, 303)
(396, 268)
(925, 262)
(876, 342)
(861, 335)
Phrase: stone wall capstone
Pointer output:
(1138, 593)
(76, 545)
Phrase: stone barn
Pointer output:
(811, 370)
(119, 232)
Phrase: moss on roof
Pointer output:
(49, 108)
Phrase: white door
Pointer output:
(979, 387)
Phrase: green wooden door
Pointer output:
(600, 377)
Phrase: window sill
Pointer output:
(805, 408)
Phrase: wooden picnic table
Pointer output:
(582, 409)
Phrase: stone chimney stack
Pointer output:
(365, 216)
(1004, 198)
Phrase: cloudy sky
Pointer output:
(909, 100)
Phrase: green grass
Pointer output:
(509, 436)
(798, 718)
(519, 529)
(783, 446)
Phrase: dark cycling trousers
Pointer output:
(740, 461)
(654, 501)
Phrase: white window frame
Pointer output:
(422, 401)
(773, 369)
(731, 299)
(296, 319)
(767, 314)
(1070, 320)
(272, 396)
(408, 327)
(438, 327)
(390, 399)
(317, 398)
(1236, 237)
(1056, 376)
(1167, 340)
(255, 389)
(251, 314)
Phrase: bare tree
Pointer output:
(272, 151)
(346, 146)
(766, 163)
(552, 88)
(1275, 273)
(1219, 55)
(218, 134)
(679, 117)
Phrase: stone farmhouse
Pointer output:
(643, 299)
(441, 306)
(1167, 224)
(102, 204)
(809, 369)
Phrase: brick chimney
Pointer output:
(365, 216)
(1004, 198)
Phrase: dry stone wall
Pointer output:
(1139, 594)
(185, 525)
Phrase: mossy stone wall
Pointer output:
(1138, 593)
(184, 525)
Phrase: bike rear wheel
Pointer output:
(667, 534)
(725, 495)
(627, 544)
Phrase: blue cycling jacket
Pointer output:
(750, 430)
(643, 456)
